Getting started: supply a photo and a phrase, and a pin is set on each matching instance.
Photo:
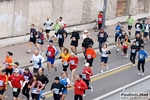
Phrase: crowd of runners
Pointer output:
(32, 84)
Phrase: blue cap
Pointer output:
(51, 41)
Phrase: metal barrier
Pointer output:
(137, 86)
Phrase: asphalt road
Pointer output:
(104, 83)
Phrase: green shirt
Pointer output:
(130, 21)
(56, 27)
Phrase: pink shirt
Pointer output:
(35, 90)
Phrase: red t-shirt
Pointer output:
(15, 80)
(100, 18)
(51, 51)
(3, 79)
(73, 61)
(85, 71)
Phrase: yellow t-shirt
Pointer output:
(64, 57)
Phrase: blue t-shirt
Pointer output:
(118, 30)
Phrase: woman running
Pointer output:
(126, 43)
(36, 86)
(40, 41)
(83, 45)
(64, 56)
(104, 57)
(66, 83)
(8, 63)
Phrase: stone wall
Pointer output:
(16, 16)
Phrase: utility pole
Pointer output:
(104, 13)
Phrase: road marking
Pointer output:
(100, 76)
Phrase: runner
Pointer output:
(40, 42)
(66, 83)
(50, 54)
(138, 27)
(8, 63)
(102, 38)
(130, 22)
(80, 87)
(117, 34)
(86, 42)
(104, 57)
(87, 72)
(90, 55)
(139, 41)
(146, 33)
(62, 23)
(36, 86)
(121, 38)
(126, 43)
(133, 53)
(56, 28)
(142, 55)
(3, 83)
(37, 60)
(57, 88)
(42, 78)
(100, 19)
(83, 46)
(28, 77)
(143, 28)
(64, 56)
(16, 66)
(16, 83)
(48, 25)
(73, 62)
(32, 39)
(74, 41)
(62, 35)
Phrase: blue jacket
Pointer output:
(118, 30)
(142, 55)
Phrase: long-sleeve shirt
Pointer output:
(48, 24)
(138, 27)
(142, 55)
(42, 78)
(87, 72)
(62, 34)
(33, 33)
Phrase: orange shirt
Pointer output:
(64, 57)
(90, 53)
(3, 80)
(8, 61)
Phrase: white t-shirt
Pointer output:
(83, 36)
(147, 28)
(36, 59)
(61, 23)
(104, 53)
(47, 24)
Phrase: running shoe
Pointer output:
(28, 52)
(115, 46)
(84, 95)
(142, 74)
(91, 88)
(139, 74)
(101, 71)
(107, 67)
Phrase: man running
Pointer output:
(130, 22)
(74, 41)
(138, 27)
(48, 25)
(142, 55)
(16, 66)
(62, 23)
(118, 32)
(50, 54)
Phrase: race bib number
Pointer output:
(89, 56)
(73, 38)
(125, 44)
(141, 56)
(72, 62)
(137, 43)
(14, 89)
(49, 53)
(65, 63)
(133, 50)
(1, 83)
(101, 35)
(60, 36)
(31, 35)
(100, 19)
(26, 78)
(6, 64)
(84, 76)
(39, 40)
(34, 90)
(56, 91)
(117, 31)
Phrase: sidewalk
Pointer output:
(20, 55)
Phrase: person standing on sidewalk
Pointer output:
(62, 35)
(130, 22)
(74, 41)
(64, 80)
(8, 63)
(83, 45)
(56, 28)
(37, 60)
(64, 56)
(102, 38)
(133, 53)
(79, 88)
(48, 25)
(44, 80)
(50, 54)
(104, 58)
(142, 55)
(40, 41)
(73, 62)
(32, 39)
(57, 88)
(87, 73)
(100, 19)
(90, 55)
(15, 81)
(118, 33)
